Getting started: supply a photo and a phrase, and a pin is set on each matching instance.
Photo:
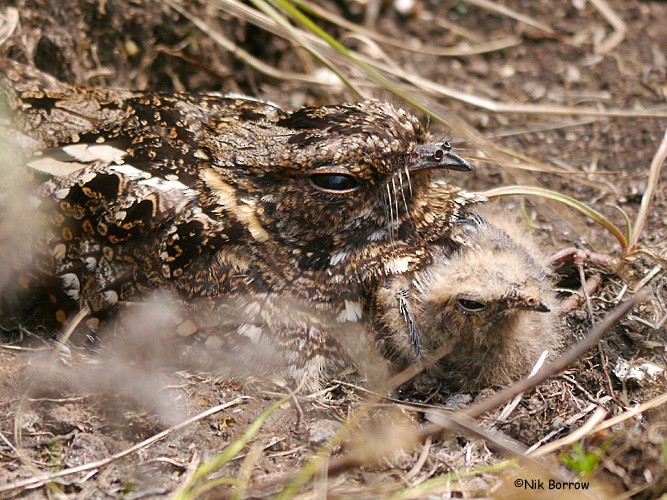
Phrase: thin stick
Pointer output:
(37, 481)
(573, 437)
(478, 409)
(575, 352)
(620, 28)
(574, 300)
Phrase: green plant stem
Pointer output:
(265, 7)
(189, 491)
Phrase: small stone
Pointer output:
(320, 431)
(85, 448)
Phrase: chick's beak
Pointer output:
(532, 304)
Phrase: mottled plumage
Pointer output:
(487, 307)
(214, 197)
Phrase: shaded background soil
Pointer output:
(560, 54)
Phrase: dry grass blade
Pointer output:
(69, 331)
(245, 471)
(462, 51)
(542, 128)
(500, 9)
(242, 54)
(297, 36)
(573, 437)
(515, 107)
(507, 411)
(419, 464)
(370, 66)
(349, 55)
(649, 194)
(620, 28)
(638, 410)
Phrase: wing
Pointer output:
(53, 112)
(120, 185)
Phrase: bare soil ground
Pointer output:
(558, 54)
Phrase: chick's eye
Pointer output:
(334, 183)
(471, 306)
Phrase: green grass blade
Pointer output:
(567, 200)
(366, 68)
(296, 36)
(628, 224)
(188, 492)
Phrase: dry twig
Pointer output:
(40, 479)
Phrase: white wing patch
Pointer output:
(352, 312)
(130, 171)
(71, 285)
(95, 152)
(169, 184)
(54, 163)
(339, 257)
(56, 168)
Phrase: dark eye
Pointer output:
(335, 183)
(471, 306)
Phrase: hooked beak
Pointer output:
(438, 157)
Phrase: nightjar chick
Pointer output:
(488, 307)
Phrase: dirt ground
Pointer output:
(54, 418)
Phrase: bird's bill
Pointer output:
(531, 304)
(439, 157)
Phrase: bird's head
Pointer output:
(330, 179)
(483, 293)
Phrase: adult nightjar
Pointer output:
(214, 197)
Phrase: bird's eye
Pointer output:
(334, 182)
(471, 306)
